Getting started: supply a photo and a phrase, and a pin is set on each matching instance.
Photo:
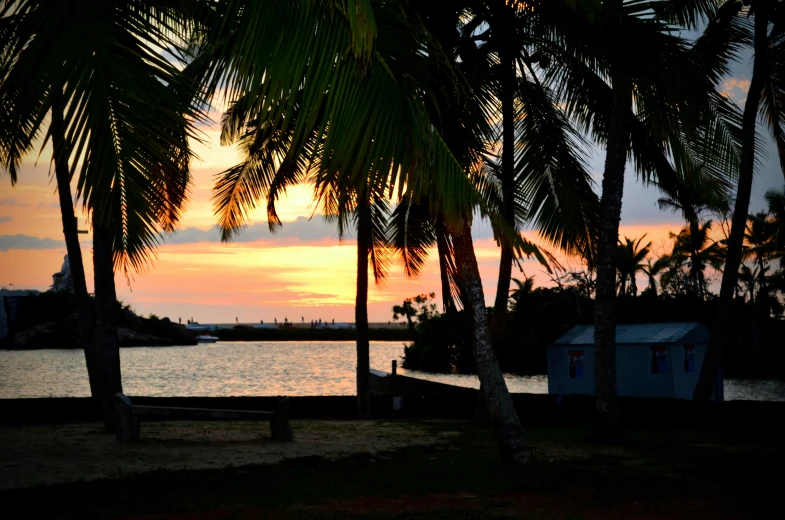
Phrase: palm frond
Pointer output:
(290, 57)
(772, 100)
(553, 183)
(380, 256)
(412, 234)
(125, 104)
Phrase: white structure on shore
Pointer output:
(62, 281)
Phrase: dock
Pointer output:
(391, 384)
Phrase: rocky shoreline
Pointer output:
(48, 321)
(143, 333)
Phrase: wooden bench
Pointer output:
(131, 414)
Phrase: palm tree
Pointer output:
(776, 203)
(412, 231)
(119, 126)
(696, 251)
(13, 145)
(652, 270)
(630, 261)
(373, 245)
(540, 173)
(371, 214)
(521, 291)
(760, 245)
(539, 178)
(85, 317)
(693, 196)
(353, 120)
(618, 98)
(747, 280)
(765, 97)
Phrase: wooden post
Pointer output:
(280, 428)
(394, 367)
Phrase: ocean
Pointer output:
(266, 368)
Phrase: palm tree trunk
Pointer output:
(608, 420)
(106, 320)
(508, 80)
(361, 311)
(409, 321)
(444, 255)
(498, 402)
(695, 277)
(85, 319)
(653, 285)
(721, 328)
(762, 285)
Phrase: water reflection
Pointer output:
(253, 368)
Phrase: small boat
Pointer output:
(206, 338)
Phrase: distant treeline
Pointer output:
(306, 334)
(48, 320)
(538, 317)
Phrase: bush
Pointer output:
(442, 344)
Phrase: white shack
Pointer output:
(652, 360)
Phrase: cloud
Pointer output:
(12, 201)
(301, 229)
(736, 89)
(737, 83)
(27, 242)
(5, 219)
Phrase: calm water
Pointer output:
(255, 369)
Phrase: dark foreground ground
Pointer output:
(424, 469)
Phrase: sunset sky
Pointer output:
(303, 271)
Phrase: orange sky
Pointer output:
(310, 276)
(303, 271)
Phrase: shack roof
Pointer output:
(642, 333)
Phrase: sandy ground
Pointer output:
(33, 455)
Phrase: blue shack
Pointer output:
(652, 360)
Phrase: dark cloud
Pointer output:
(5, 219)
(12, 201)
(301, 229)
(27, 242)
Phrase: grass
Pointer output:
(668, 473)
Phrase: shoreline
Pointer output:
(285, 334)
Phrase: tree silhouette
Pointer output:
(652, 270)
(732, 26)
(630, 261)
(696, 252)
(121, 117)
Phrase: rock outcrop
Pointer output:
(154, 332)
(46, 335)
(49, 321)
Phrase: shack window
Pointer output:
(659, 359)
(689, 359)
(576, 364)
